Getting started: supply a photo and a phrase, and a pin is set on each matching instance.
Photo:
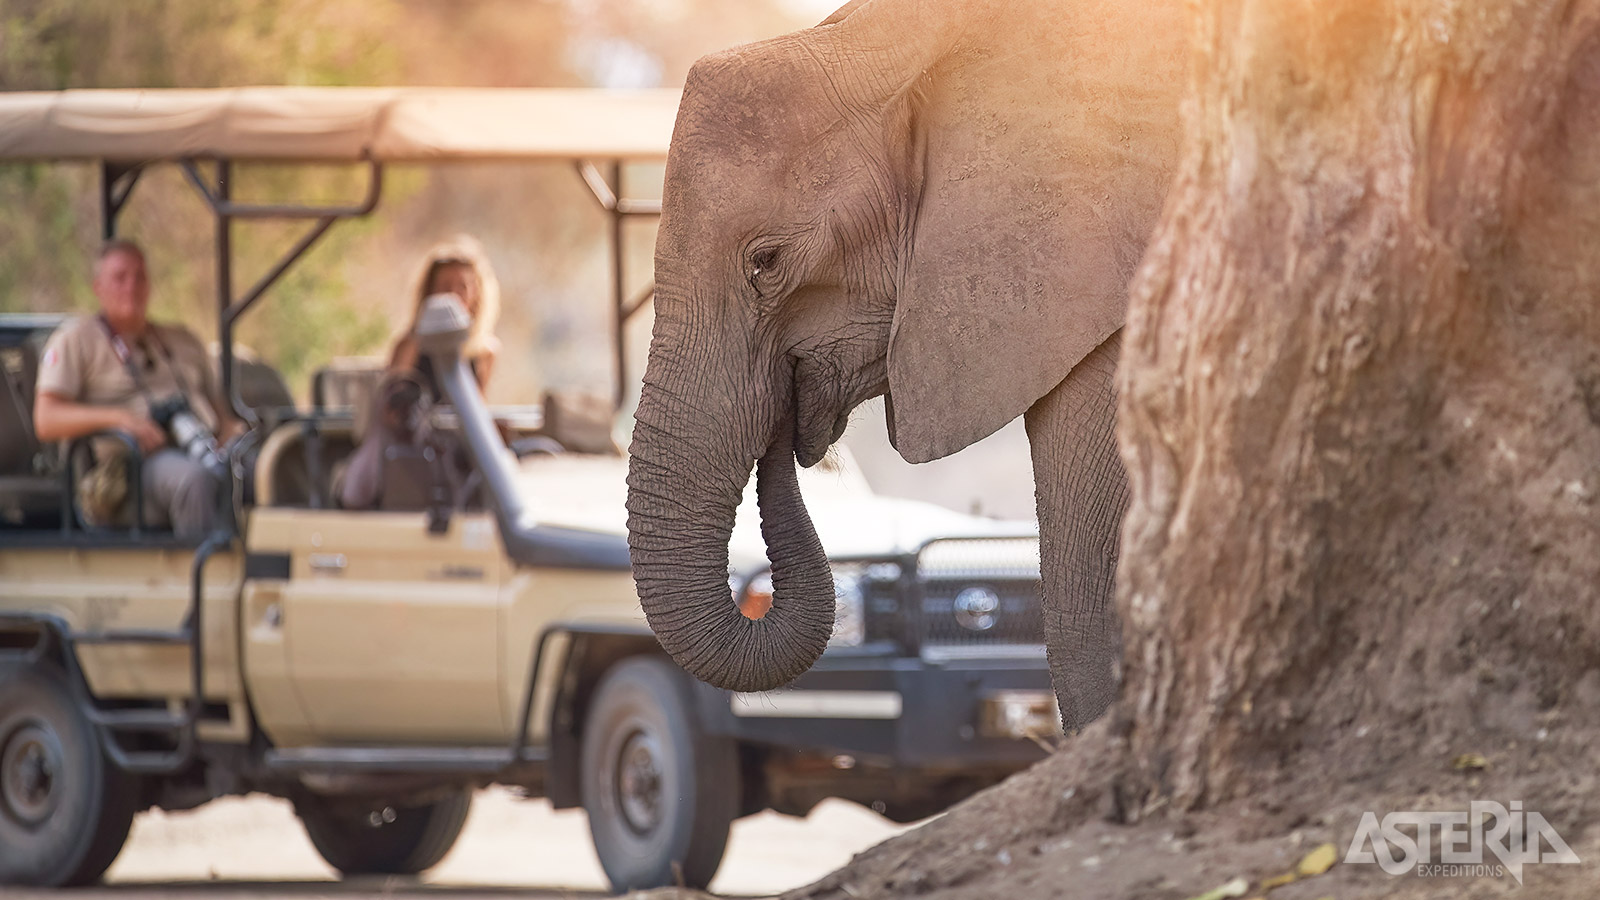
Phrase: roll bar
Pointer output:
(119, 178)
(609, 192)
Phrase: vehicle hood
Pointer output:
(590, 492)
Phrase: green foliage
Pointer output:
(54, 44)
(34, 274)
(49, 214)
(350, 293)
(307, 324)
(308, 317)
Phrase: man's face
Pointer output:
(123, 288)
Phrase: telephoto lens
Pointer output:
(190, 434)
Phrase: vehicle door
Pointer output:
(381, 630)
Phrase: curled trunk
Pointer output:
(681, 506)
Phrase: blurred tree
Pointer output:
(1359, 402)
(539, 225)
(52, 216)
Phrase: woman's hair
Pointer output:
(463, 250)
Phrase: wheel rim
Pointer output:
(637, 785)
(31, 763)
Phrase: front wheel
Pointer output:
(374, 839)
(660, 794)
(65, 809)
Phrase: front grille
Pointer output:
(954, 593)
(981, 611)
(882, 610)
(979, 591)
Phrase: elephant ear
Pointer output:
(1043, 160)
(843, 12)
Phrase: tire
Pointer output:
(660, 794)
(358, 839)
(65, 809)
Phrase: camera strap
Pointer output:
(120, 347)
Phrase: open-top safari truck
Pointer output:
(375, 666)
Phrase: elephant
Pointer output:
(937, 201)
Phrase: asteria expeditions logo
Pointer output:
(1513, 838)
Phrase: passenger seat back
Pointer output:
(18, 446)
(349, 383)
(29, 495)
(414, 480)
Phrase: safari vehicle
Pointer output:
(375, 667)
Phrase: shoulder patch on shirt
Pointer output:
(51, 357)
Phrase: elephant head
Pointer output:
(941, 200)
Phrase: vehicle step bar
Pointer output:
(139, 719)
(146, 762)
(179, 727)
(400, 759)
(133, 636)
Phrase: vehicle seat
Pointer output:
(30, 492)
(348, 383)
(260, 386)
(295, 462)
(413, 480)
(580, 422)
(412, 474)
(18, 446)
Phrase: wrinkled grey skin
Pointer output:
(941, 200)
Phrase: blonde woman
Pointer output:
(458, 266)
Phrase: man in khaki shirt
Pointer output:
(102, 372)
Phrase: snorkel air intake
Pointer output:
(442, 331)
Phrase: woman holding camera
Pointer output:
(458, 267)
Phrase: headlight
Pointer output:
(977, 608)
(849, 606)
(849, 599)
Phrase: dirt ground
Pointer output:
(1054, 832)
(249, 848)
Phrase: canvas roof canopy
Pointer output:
(337, 124)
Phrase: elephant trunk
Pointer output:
(681, 508)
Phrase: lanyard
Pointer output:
(120, 347)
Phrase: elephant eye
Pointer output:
(762, 260)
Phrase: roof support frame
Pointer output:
(312, 235)
(222, 204)
(644, 296)
(607, 189)
(218, 196)
(117, 181)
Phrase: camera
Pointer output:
(189, 434)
